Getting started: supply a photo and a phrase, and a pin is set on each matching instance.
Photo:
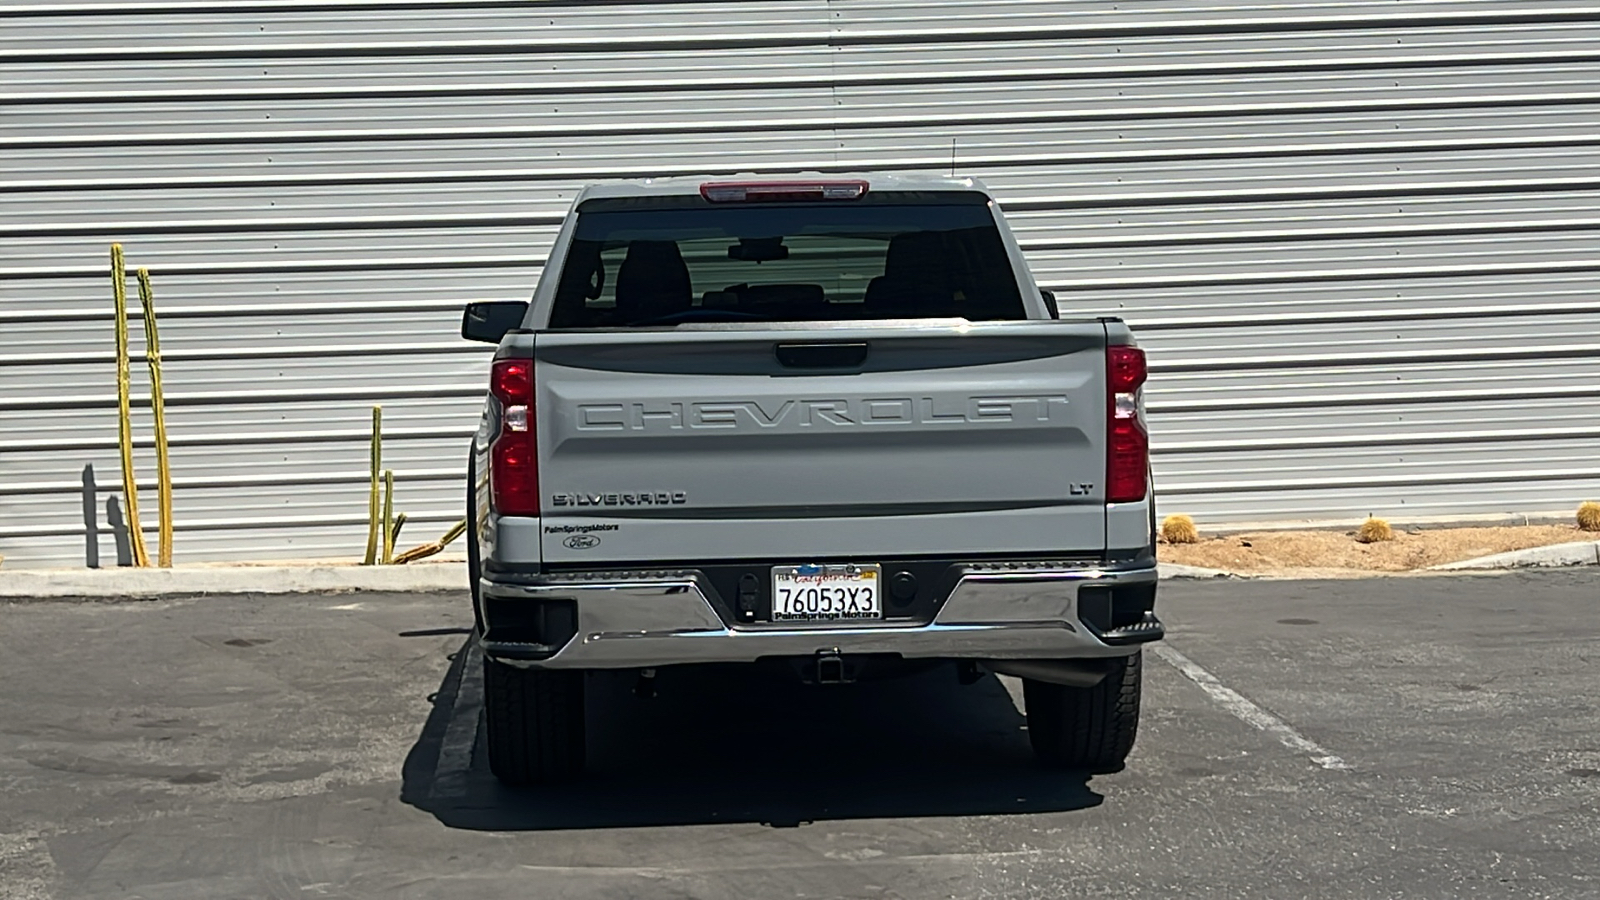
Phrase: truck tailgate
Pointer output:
(801, 443)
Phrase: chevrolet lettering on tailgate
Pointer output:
(887, 411)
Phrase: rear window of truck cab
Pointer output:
(664, 260)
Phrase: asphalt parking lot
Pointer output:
(1398, 737)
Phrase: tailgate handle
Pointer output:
(822, 356)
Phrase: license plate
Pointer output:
(816, 593)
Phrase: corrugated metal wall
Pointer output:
(1358, 237)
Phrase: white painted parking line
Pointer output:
(461, 735)
(1247, 712)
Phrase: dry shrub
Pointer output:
(1374, 530)
(1179, 530)
(1589, 516)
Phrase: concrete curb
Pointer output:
(152, 584)
(1582, 553)
(435, 577)
(1178, 570)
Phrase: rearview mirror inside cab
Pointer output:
(489, 322)
(759, 250)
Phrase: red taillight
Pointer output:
(1128, 444)
(781, 191)
(514, 457)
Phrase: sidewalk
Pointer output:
(201, 580)
(312, 578)
(451, 575)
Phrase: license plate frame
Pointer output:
(824, 593)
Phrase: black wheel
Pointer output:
(1086, 727)
(534, 723)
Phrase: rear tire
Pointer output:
(535, 723)
(1089, 728)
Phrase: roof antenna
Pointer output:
(952, 157)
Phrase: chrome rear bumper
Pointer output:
(664, 618)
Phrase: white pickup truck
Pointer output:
(826, 425)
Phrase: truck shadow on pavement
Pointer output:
(719, 746)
